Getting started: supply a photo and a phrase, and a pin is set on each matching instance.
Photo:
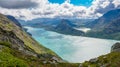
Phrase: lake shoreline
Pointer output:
(81, 46)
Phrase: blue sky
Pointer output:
(86, 3)
(81, 2)
(57, 1)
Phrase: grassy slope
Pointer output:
(109, 60)
(28, 41)
(13, 58)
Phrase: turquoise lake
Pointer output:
(75, 49)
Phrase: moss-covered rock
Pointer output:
(115, 47)
(110, 60)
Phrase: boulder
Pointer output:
(115, 47)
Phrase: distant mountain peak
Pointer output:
(113, 14)
(66, 22)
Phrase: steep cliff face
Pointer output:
(15, 35)
(16, 43)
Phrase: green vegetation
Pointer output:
(5, 44)
(7, 59)
(8, 26)
(13, 58)
(109, 60)
(18, 49)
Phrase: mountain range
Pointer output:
(108, 23)
(107, 26)
(63, 26)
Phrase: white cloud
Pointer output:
(50, 10)
(17, 4)
(116, 2)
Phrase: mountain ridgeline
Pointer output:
(105, 20)
(63, 26)
(14, 20)
(107, 26)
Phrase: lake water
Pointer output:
(72, 48)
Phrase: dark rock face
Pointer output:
(93, 60)
(116, 47)
(113, 27)
(9, 36)
(13, 19)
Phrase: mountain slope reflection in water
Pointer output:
(72, 48)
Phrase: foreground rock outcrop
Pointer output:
(110, 60)
(116, 47)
